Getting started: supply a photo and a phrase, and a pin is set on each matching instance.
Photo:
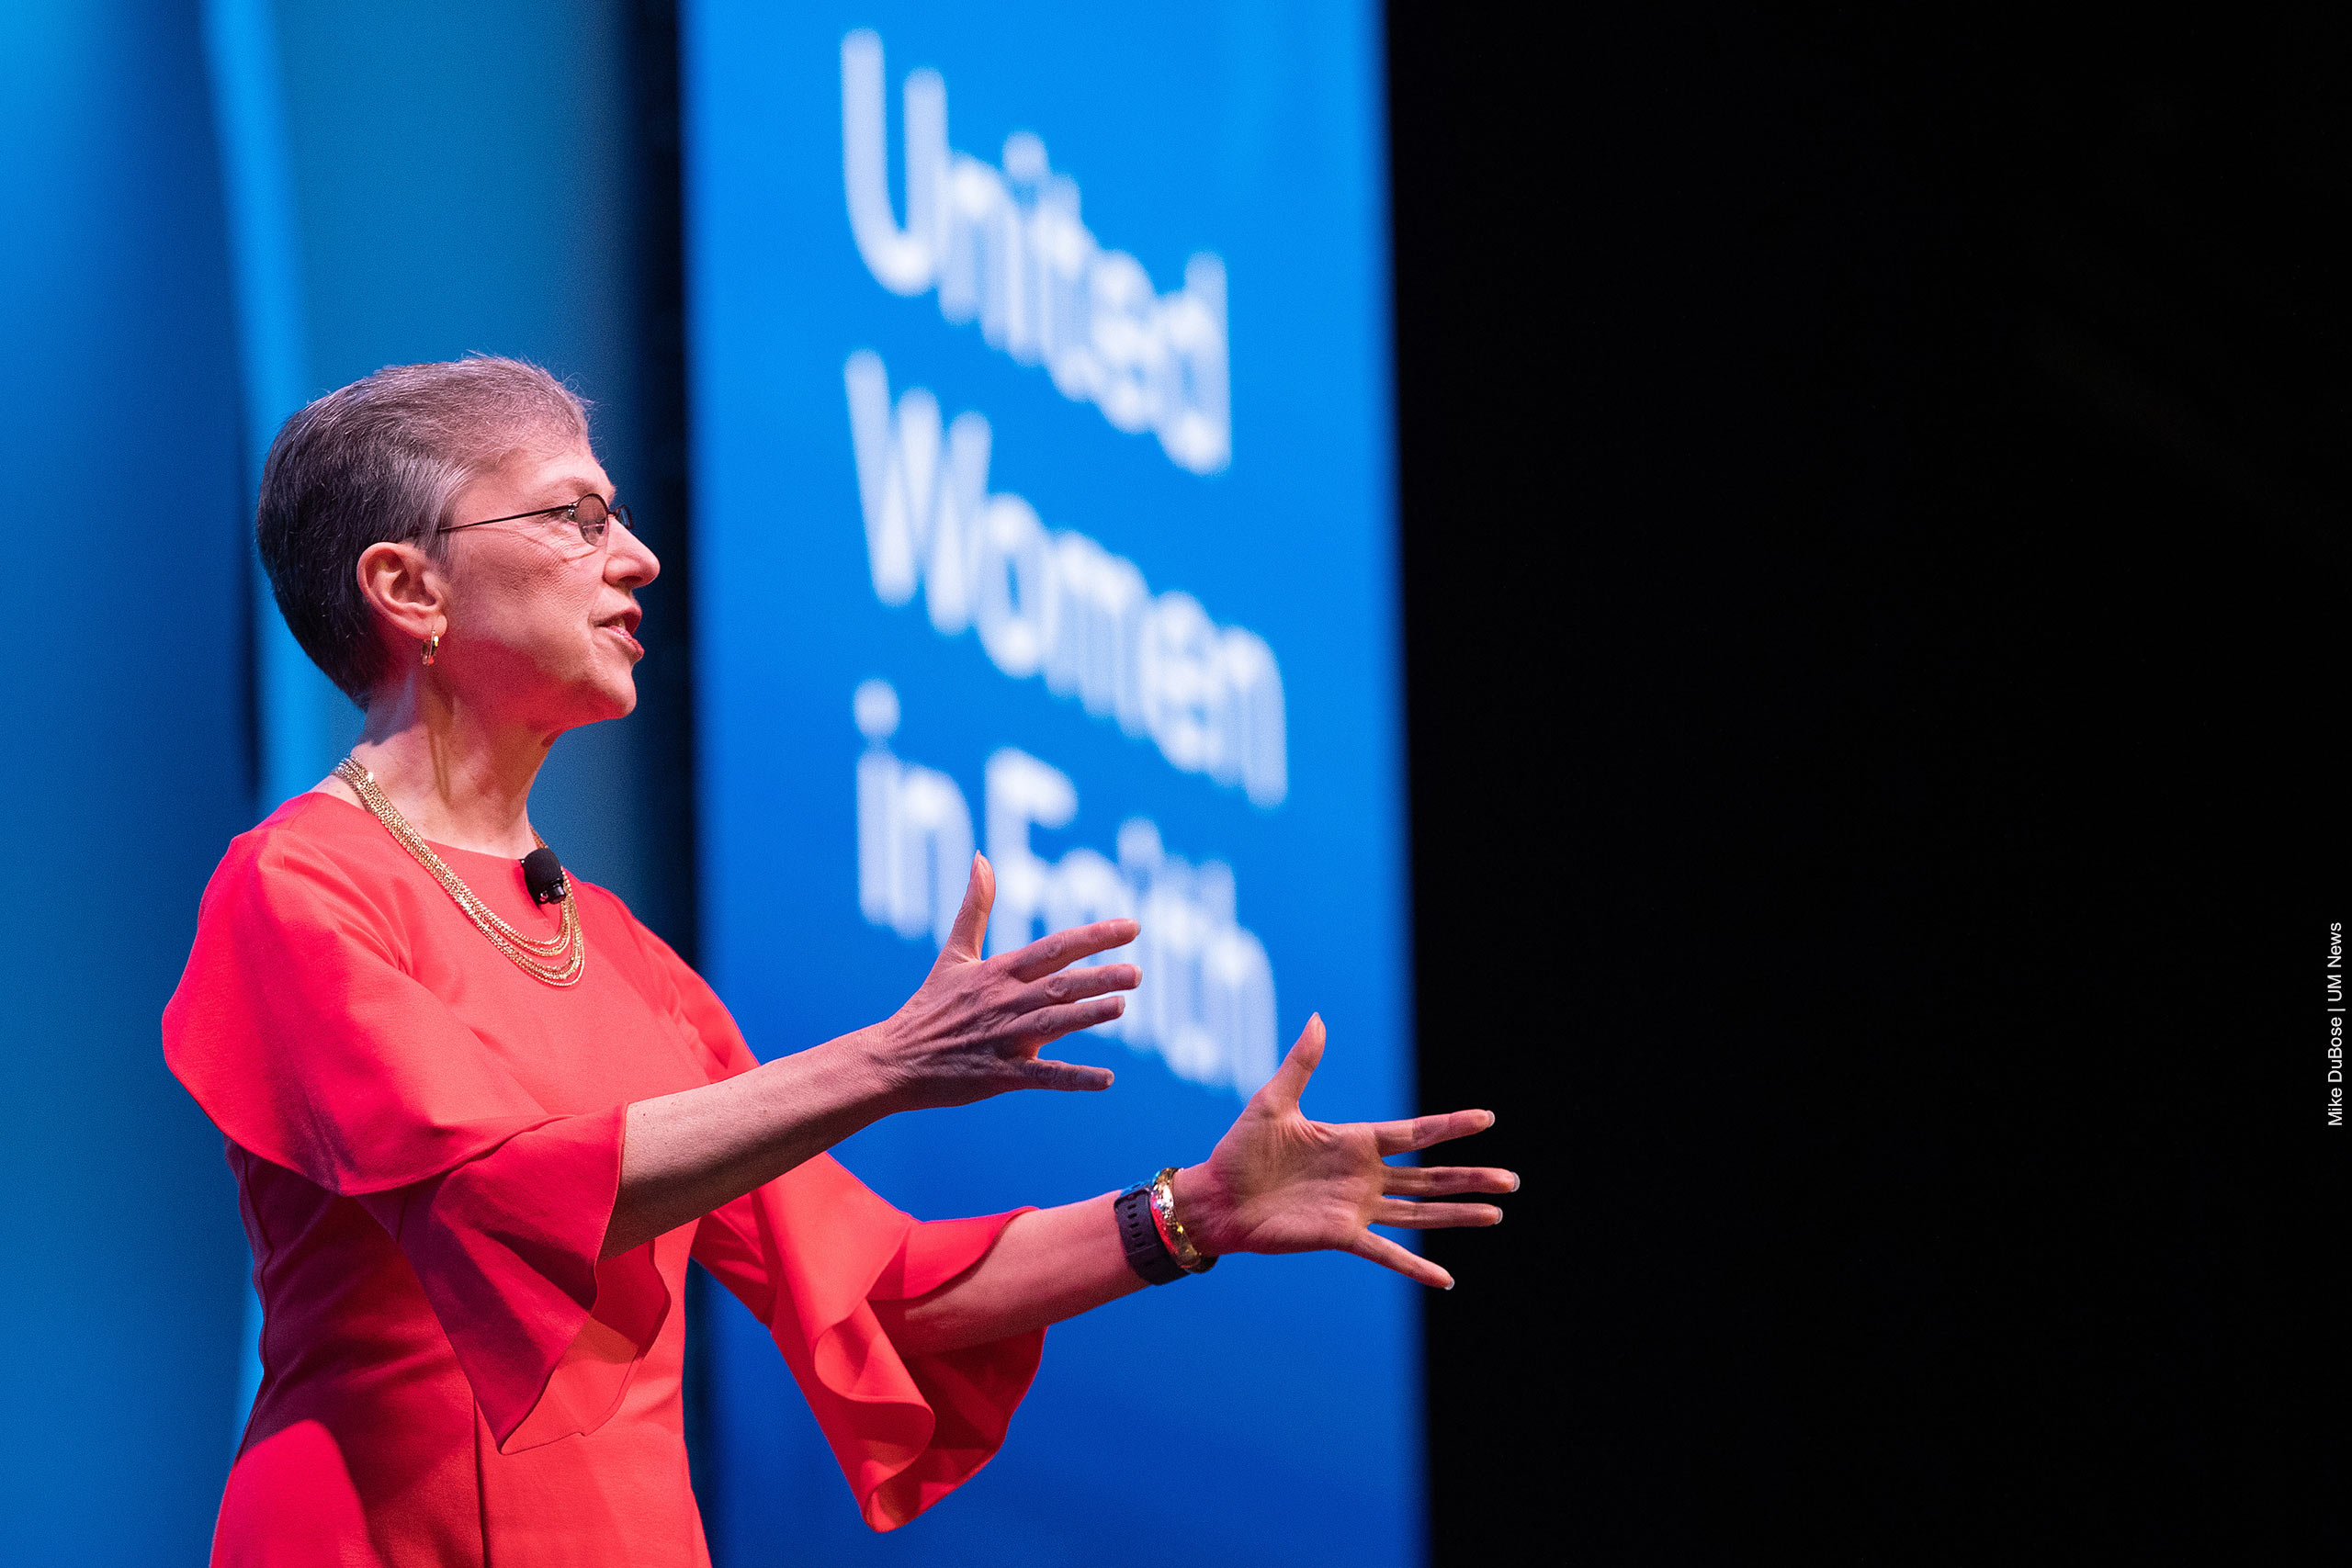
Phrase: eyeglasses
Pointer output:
(590, 515)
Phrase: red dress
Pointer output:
(427, 1145)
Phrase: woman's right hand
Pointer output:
(974, 1028)
(973, 1031)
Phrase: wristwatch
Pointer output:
(1147, 1254)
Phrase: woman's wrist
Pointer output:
(852, 1075)
(1205, 1208)
(874, 1062)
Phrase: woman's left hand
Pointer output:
(1278, 1182)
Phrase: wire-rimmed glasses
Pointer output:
(591, 513)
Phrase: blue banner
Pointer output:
(1044, 506)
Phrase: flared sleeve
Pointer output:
(300, 1031)
(811, 1254)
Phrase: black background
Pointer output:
(1874, 546)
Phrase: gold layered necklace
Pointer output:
(556, 960)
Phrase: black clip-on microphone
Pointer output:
(543, 875)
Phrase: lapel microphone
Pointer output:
(543, 875)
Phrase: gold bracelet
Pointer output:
(1163, 1198)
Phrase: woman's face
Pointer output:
(542, 626)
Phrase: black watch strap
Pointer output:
(1147, 1254)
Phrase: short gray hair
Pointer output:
(380, 462)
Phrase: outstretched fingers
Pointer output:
(1434, 1216)
(1046, 1025)
(971, 927)
(1067, 1077)
(1283, 1090)
(1421, 1132)
(1076, 985)
(1062, 949)
(1412, 1265)
(1445, 1180)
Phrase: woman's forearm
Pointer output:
(686, 1154)
(1047, 1265)
(973, 1030)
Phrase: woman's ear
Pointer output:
(406, 589)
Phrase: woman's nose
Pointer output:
(628, 561)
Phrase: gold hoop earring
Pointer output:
(432, 647)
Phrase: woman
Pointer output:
(480, 1117)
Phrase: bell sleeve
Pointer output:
(299, 1030)
(811, 1254)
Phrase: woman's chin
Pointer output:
(607, 696)
(618, 701)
